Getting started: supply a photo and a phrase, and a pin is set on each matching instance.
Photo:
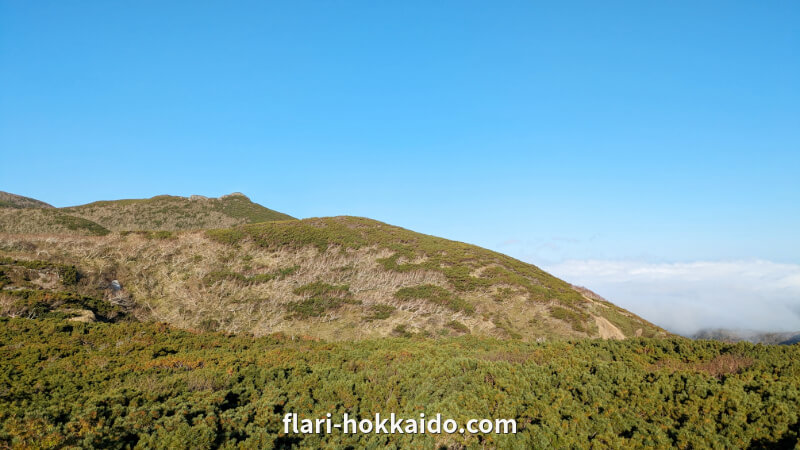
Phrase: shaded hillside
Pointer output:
(9, 200)
(333, 278)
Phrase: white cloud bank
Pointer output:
(686, 297)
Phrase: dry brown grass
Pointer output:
(167, 280)
(245, 278)
(166, 212)
(35, 221)
(9, 200)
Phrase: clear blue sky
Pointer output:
(657, 131)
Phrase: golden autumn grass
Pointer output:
(246, 279)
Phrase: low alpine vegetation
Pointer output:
(148, 385)
(379, 312)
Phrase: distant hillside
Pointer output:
(46, 221)
(755, 337)
(9, 200)
(161, 213)
(167, 212)
(333, 278)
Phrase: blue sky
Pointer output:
(657, 132)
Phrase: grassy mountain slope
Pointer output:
(46, 221)
(256, 297)
(167, 212)
(332, 278)
(9, 200)
(21, 215)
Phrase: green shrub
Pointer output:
(576, 319)
(69, 275)
(507, 327)
(320, 289)
(219, 275)
(161, 234)
(503, 294)
(78, 223)
(458, 326)
(319, 298)
(312, 307)
(147, 385)
(434, 294)
(209, 325)
(379, 312)
(43, 304)
(402, 331)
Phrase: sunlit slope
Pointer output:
(334, 278)
(167, 212)
(9, 200)
(47, 221)
(22, 215)
(93, 385)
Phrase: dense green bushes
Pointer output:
(59, 304)
(436, 295)
(319, 298)
(379, 312)
(458, 326)
(68, 274)
(79, 223)
(128, 384)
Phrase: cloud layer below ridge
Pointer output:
(685, 297)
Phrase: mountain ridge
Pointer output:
(9, 200)
(331, 278)
(159, 213)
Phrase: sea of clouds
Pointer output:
(688, 296)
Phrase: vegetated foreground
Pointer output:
(131, 384)
(89, 358)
